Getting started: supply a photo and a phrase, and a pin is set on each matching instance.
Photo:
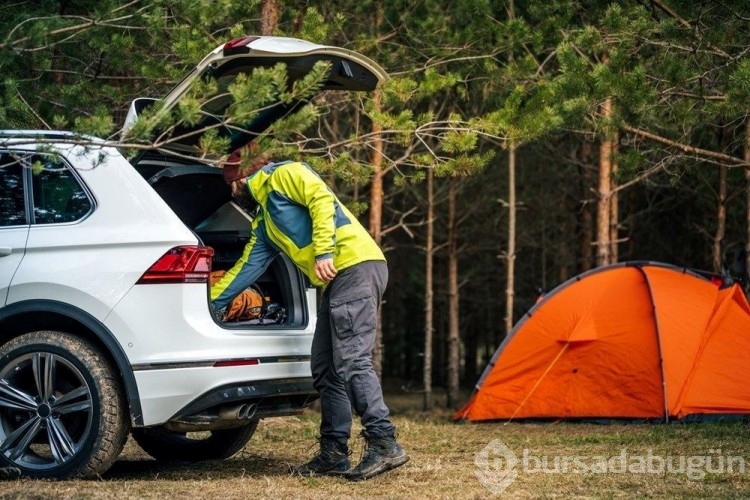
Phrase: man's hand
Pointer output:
(324, 270)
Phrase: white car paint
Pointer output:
(93, 265)
(12, 248)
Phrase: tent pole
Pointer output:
(658, 343)
(565, 347)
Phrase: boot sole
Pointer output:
(319, 474)
(331, 472)
(387, 465)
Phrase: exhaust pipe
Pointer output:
(248, 412)
(239, 412)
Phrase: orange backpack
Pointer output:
(246, 306)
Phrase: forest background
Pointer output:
(517, 143)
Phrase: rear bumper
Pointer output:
(261, 392)
(281, 388)
(263, 398)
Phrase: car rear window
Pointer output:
(58, 196)
(56, 193)
(12, 206)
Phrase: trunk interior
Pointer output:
(202, 200)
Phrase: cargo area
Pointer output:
(202, 200)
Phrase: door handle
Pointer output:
(5, 251)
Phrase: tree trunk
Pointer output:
(604, 191)
(428, 295)
(587, 216)
(747, 197)
(269, 17)
(510, 256)
(721, 220)
(614, 209)
(376, 218)
(453, 337)
(376, 199)
(376, 181)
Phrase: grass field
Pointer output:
(600, 460)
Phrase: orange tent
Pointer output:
(635, 340)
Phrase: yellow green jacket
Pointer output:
(300, 216)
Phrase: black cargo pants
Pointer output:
(341, 359)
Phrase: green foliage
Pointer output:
(434, 82)
(738, 91)
(459, 140)
(290, 125)
(467, 80)
(99, 124)
(629, 161)
(318, 28)
(211, 143)
(351, 171)
(400, 90)
(309, 84)
(250, 93)
(357, 208)
(463, 165)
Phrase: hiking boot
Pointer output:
(381, 454)
(332, 459)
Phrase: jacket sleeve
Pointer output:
(302, 185)
(249, 267)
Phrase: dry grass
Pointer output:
(442, 463)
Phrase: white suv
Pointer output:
(105, 323)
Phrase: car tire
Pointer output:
(163, 444)
(62, 408)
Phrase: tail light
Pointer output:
(185, 264)
(238, 45)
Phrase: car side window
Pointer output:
(12, 206)
(58, 196)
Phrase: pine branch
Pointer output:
(684, 23)
(85, 24)
(686, 148)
